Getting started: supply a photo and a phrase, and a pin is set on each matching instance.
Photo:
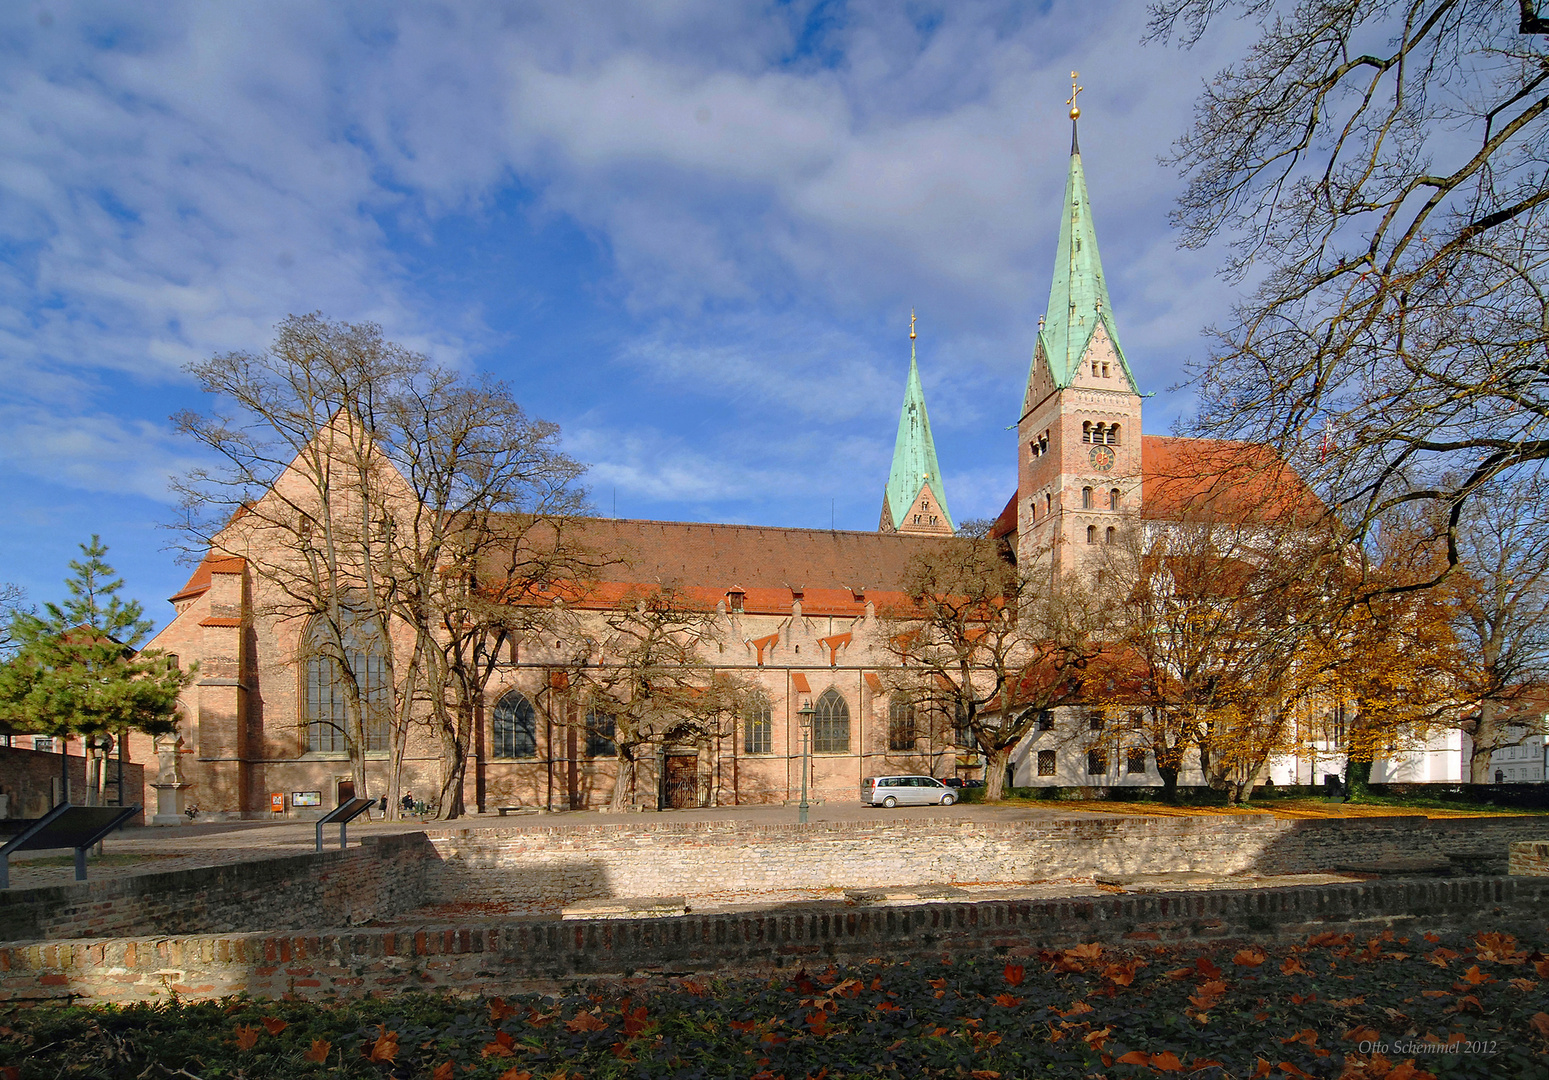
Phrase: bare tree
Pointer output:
(371, 487)
(1381, 169)
(987, 646)
(12, 600)
(1500, 599)
(647, 684)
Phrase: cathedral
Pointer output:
(792, 611)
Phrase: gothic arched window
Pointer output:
(1086, 498)
(325, 696)
(1111, 536)
(1091, 534)
(831, 724)
(757, 727)
(1113, 498)
(900, 723)
(599, 735)
(515, 727)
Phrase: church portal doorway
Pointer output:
(682, 781)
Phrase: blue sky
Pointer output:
(689, 232)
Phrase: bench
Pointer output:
(504, 810)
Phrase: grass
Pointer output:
(1294, 806)
(1448, 1004)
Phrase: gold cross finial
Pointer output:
(911, 324)
(1075, 91)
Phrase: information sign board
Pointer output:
(306, 798)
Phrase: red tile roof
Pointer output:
(1222, 480)
(832, 572)
(200, 582)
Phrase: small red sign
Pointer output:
(277, 803)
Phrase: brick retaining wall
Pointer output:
(541, 954)
(557, 864)
(384, 876)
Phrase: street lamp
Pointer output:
(805, 715)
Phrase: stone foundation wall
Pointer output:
(1530, 858)
(557, 865)
(384, 876)
(543, 954)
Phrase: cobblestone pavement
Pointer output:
(159, 849)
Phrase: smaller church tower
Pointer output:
(915, 500)
(1078, 439)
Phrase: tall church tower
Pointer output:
(1078, 439)
(915, 500)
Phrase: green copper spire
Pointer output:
(914, 455)
(1078, 297)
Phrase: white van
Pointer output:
(906, 791)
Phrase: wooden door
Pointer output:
(682, 781)
(346, 791)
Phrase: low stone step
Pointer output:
(912, 894)
(1401, 864)
(1157, 882)
(630, 907)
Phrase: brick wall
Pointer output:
(541, 954)
(1530, 858)
(383, 876)
(549, 864)
(27, 778)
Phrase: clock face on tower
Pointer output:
(1102, 458)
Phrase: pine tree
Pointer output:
(76, 671)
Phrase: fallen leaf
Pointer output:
(499, 1010)
(1204, 1063)
(1525, 985)
(386, 1046)
(273, 1025)
(247, 1037)
(1293, 966)
(936, 984)
(503, 1046)
(1135, 1057)
(1363, 1034)
(1076, 1009)
(319, 1051)
(1346, 1003)
(1248, 958)
(1435, 993)
(1180, 973)
(818, 1022)
(1473, 976)
(1307, 1035)
(1207, 968)
(1166, 1062)
(888, 1006)
(1540, 1022)
(1262, 1068)
(519, 1074)
(984, 1074)
(634, 1022)
(1085, 952)
(1015, 973)
(1007, 1001)
(1290, 1069)
(586, 1021)
(443, 1071)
